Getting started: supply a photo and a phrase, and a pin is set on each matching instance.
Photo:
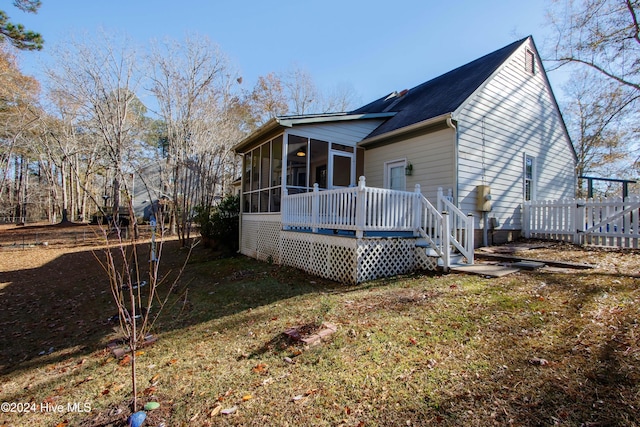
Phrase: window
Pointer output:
(529, 177)
(395, 178)
(262, 176)
(529, 61)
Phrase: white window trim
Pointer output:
(534, 176)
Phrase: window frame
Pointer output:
(529, 182)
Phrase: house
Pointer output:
(395, 184)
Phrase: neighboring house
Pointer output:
(489, 134)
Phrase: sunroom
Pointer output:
(305, 203)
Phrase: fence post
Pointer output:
(361, 206)
(580, 218)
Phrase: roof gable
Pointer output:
(439, 96)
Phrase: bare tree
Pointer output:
(192, 83)
(602, 36)
(267, 100)
(99, 79)
(598, 121)
(19, 115)
(295, 92)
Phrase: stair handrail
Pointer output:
(463, 242)
(431, 226)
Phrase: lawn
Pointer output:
(549, 347)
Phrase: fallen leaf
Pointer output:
(260, 368)
(172, 362)
(139, 353)
(229, 411)
(215, 411)
(63, 423)
(413, 341)
(105, 392)
(149, 390)
(125, 360)
(246, 397)
(538, 361)
(154, 378)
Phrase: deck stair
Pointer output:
(445, 232)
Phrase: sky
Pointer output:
(374, 47)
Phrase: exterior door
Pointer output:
(342, 170)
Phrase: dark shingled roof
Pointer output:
(437, 96)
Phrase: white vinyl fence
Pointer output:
(610, 222)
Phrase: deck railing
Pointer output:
(365, 209)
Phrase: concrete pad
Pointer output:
(529, 265)
(485, 270)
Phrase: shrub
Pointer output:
(219, 225)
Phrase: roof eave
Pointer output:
(290, 121)
(411, 128)
(266, 128)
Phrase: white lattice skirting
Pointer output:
(342, 259)
(261, 237)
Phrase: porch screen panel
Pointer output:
(276, 162)
(318, 161)
(276, 175)
(255, 169)
(297, 164)
(262, 177)
(247, 172)
(265, 175)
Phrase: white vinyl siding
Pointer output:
(347, 133)
(431, 155)
(518, 113)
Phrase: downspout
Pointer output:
(452, 125)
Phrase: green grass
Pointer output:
(415, 350)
